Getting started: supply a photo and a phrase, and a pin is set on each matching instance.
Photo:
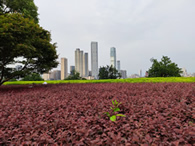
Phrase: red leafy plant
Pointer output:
(69, 114)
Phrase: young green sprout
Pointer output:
(114, 109)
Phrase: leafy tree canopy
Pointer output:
(108, 72)
(74, 76)
(164, 68)
(33, 77)
(25, 43)
(25, 7)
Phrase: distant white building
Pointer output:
(52, 75)
(184, 74)
(140, 73)
(134, 76)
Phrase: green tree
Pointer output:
(108, 72)
(164, 68)
(74, 76)
(25, 7)
(33, 77)
(24, 42)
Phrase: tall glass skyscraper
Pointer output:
(94, 59)
(113, 56)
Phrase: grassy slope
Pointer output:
(129, 80)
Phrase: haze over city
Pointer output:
(138, 29)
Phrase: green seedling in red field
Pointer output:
(114, 109)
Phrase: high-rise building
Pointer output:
(77, 60)
(113, 56)
(185, 73)
(81, 64)
(64, 68)
(57, 74)
(94, 59)
(118, 65)
(85, 65)
(71, 69)
(140, 73)
(123, 74)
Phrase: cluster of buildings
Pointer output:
(82, 65)
(186, 74)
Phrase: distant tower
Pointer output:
(94, 59)
(77, 60)
(71, 69)
(123, 74)
(184, 74)
(64, 68)
(140, 73)
(118, 65)
(113, 56)
(57, 74)
(85, 65)
(81, 64)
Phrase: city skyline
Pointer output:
(140, 30)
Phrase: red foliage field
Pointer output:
(72, 114)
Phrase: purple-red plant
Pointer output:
(69, 114)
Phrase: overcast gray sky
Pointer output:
(139, 29)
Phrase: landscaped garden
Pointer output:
(74, 114)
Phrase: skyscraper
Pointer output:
(85, 65)
(113, 56)
(81, 64)
(123, 74)
(118, 65)
(94, 59)
(56, 74)
(140, 73)
(64, 68)
(77, 60)
(71, 69)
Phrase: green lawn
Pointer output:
(129, 80)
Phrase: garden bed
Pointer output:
(73, 114)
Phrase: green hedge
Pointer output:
(129, 80)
